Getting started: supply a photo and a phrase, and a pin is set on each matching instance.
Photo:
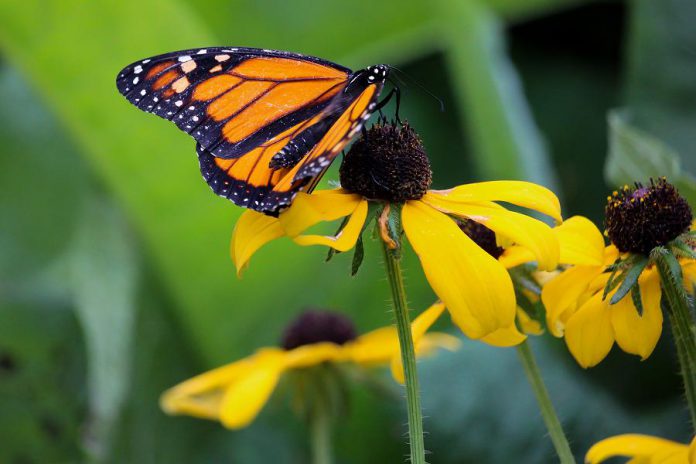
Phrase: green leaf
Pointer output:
(358, 256)
(506, 141)
(103, 276)
(613, 281)
(682, 249)
(631, 276)
(636, 156)
(330, 254)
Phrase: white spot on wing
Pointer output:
(138, 69)
(184, 59)
(136, 80)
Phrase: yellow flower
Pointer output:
(642, 449)
(235, 394)
(475, 287)
(577, 309)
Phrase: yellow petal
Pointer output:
(426, 319)
(426, 346)
(637, 334)
(581, 242)
(346, 238)
(311, 355)
(252, 231)
(310, 209)
(527, 324)
(376, 347)
(475, 288)
(201, 396)
(518, 193)
(561, 294)
(244, 399)
(631, 445)
(516, 255)
(692, 446)
(523, 230)
(507, 336)
(589, 334)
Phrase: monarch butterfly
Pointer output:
(267, 123)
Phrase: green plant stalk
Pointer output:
(408, 356)
(553, 425)
(320, 431)
(677, 304)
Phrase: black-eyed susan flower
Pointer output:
(613, 293)
(642, 449)
(235, 394)
(386, 177)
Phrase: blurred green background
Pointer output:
(115, 279)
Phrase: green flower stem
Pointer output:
(553, 425)
(408, 356)
(676, 301)
(320, 430)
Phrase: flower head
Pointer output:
(642, 448)
(642, 218)
(589, 302)
(389, 172)
(235, 394)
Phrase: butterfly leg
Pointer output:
(394, 91)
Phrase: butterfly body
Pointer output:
(267, 123)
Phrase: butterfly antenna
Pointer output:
(423, 87)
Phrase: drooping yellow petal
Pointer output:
(507, 336)
(201, 396)
(426, 346)
(637, 334)
(589, 334)
(426, 319)
(634, 446)
(346, 238)
(310, 209)
(523, 230)
(581, 242)
(475, 288)
(525, 194)
(244, 399)
(561, 294)
(252, 231)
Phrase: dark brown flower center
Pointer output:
(641, 218)
(482, 236)
(388, 163)
(316, 326)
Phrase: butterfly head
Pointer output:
(377, 73)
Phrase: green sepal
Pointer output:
(358, 256)
(631, 275)
(681, 249)
(522, 276)
(332, 252)
(394, 227)
(637, 299)
(613, 281)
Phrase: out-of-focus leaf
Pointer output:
(41, 178)
(42, 371)
(506, 142)
(479, 397)
(659, 77)
(636, 156)
(103, 280)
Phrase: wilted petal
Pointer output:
(637, 334)
(515, 255)
(581, 242)
(252, 231)
(589, 334)
(475, 288)
(426, 346)
(525, 194)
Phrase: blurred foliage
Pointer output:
(115, 280)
